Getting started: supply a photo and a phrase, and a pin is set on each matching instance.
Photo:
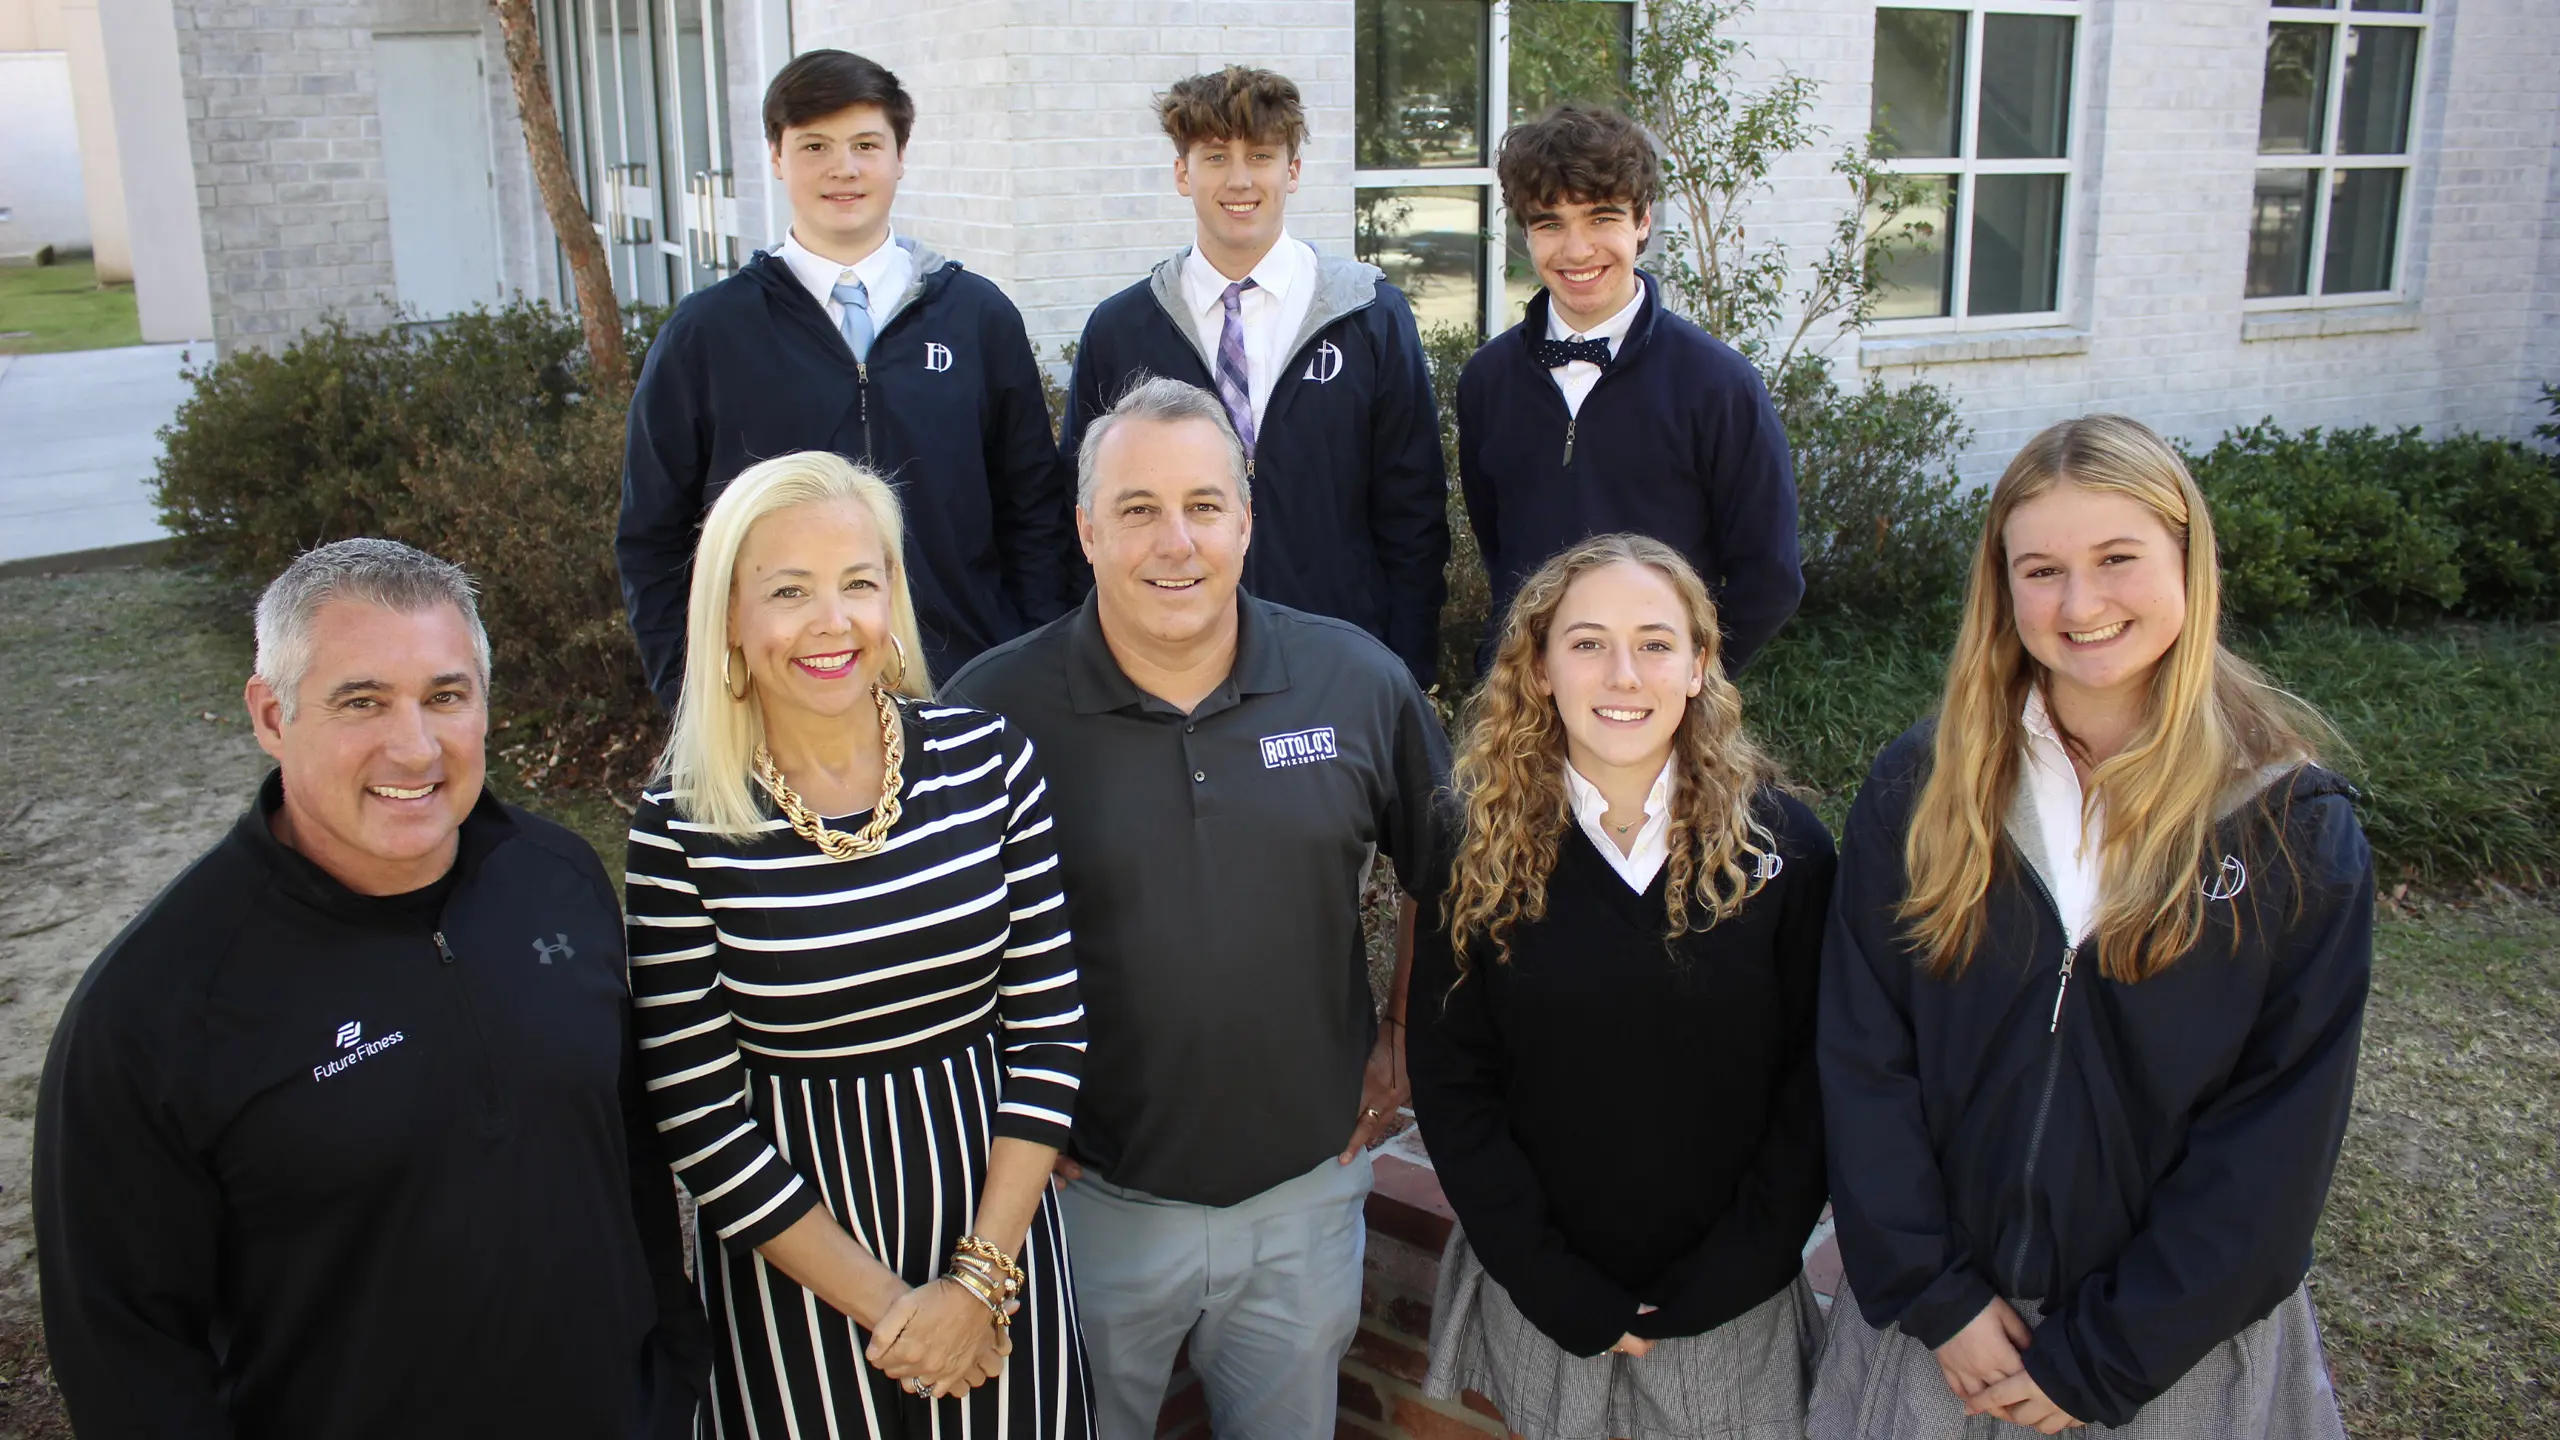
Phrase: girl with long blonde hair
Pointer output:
(2091, 996)
(1612, 1025)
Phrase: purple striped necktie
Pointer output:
(1235, 390)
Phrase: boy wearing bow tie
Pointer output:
(1603, 411)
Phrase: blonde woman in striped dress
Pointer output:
(856, 995)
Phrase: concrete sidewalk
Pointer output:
(79, 438)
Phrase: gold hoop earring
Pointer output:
(892, 682)
(728, 682)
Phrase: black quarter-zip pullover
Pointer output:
(314, 1164)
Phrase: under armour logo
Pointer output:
(349, 1034)
(544, 952)
(936, 357)
(1769, 867)
(2229, 882)
(1324, 364)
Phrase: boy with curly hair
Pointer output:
(1683, 444)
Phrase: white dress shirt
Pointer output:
(2070, 851)
(886, 275)
(1652, 850)
(1576, 379)
(1284, 288)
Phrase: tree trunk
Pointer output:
(599, 313)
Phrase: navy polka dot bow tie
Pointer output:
(1555, 353)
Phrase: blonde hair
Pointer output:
(2212, 719)
(1509, 773)
(709, 757)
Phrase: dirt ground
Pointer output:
(124, 753)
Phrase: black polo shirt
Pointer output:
(1213, 865)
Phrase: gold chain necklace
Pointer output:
(884, 816)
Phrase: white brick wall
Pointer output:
(2168, 138)
(1036, 158)
(287, 150)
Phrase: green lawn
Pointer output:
(44, 308)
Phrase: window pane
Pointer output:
(1918, 278)
(2387, 7)
(2364, 229)
(2382, 74)
(2297, 96)
(1919, 89)
(1563, 52)
(2026, 87)
(2017, 244)
(1418, 77)
(2280, 234)
(1430, 241)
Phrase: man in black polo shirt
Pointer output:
(1221, 768)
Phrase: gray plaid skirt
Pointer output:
(1744, 1380)
(2268, 1382)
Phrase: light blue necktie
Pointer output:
(857, 318)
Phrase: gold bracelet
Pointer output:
(987, 1250)
(1001, 1286)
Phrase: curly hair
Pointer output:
(1582, 154)
(1509, 774)
(1237, 103)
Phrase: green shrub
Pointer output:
(2382, 526)
(1885, 525)
(2453, 730)
(476, 439)
(1445, 349)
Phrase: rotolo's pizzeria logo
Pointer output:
(1298, 747)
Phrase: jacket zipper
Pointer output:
(2052, 1074)
(862, 404)
(1570, 422)
(479, 1035)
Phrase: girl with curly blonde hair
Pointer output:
(1612, 1009)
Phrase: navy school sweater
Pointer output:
(1350, 496)
(948, 406)
(1621, 1119)
(1677, 440)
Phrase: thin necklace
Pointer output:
(805, 822)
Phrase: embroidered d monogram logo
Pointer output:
(1323, 365)
(2228, 882)
(936, 357)
(1771, 864)
(544, 952)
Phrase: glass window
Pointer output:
(2339, 95)
(1418, 83)
(1919, 89)
(1430, 241)
(1428, 210)
(1976, 105)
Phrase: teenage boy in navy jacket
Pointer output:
(1683, 444)
(851, 339)
(1316, 360)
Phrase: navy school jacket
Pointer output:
(948, 406)
(1350, 497)
(1677, 440)
(2149, 1160)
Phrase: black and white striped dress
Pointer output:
(855, 1033)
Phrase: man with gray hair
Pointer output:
(344, 1134)
(1221, 768)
